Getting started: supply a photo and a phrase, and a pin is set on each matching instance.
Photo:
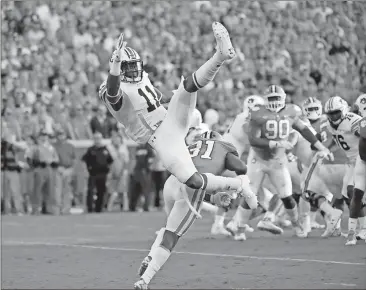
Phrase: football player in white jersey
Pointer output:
(134, 102)
(360, 105)
(345, 128)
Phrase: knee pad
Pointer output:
(350, 191)
(289, 202)
(197, 181)
(190, 85)
(312, 198)
(169, 241)
(339, 203)
(297, 197)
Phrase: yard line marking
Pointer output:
(341, 284)
(14, 243)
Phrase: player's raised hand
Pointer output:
(114, 63)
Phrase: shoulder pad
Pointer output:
(229, 147)
(258, 114)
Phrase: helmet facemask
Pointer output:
(335, 117)
(131, 71)
(313, 113)
(275, 103)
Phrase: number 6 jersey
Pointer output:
(137, 107)
(346, 135)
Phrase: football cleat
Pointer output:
(144, 264)
(332, 222)
(240, 237)
(299, 231)
(140, 285)
(219, 229)
(283, 222)
(232, 227)
(351, 239)
(361, 235)
(269, 226)
(317, 226)
(223, 41)
(305, 223)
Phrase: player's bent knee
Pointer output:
(169, 241)
(350, 191)
(196, 181)
(289, 202)
(190, 84)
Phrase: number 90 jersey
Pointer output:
(209, 155)
(137, 107)
(274, 126)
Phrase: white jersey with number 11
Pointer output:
(137, 107)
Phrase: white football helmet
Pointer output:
(196, 119)
(252, 103)
(312, 108)
(360, 105)
(275, 98)
(131, 66)
(336, 109)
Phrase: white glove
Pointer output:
(280, 144)
(115, 61)
(325, 153)
(221, 199)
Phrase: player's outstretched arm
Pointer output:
(234, 163)
(253, 138)
(114, 75)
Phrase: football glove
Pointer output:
(115, 61)
(222, 199)
(325, 153)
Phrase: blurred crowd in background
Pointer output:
(55, 56)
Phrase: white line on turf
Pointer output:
(342, 284)
(283, 259)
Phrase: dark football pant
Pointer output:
(140, 184)
(158, 178)
(96, 183)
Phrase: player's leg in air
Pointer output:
(168, 139)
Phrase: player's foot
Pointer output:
(219, 229)
(283, 222)
(317, 226)
(351, 239)
(223, 41)
(232, 227)
(332, 223)
(305, 223)
(300, 232)
(144, 264)
(140, 285)
(269, 226)
(361, 235)
(337, 233)
(240, 237)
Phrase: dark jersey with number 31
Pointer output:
(136, 107)
(209, 155)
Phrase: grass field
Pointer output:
(104, 252)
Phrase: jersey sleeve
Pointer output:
(355, 122)
(230, 148)
(104, 97)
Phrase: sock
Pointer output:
(338, 224)
(158, 259)
(313, 217)
(214, 182)
(326, 207)
(293, 214)
(352, 224)
(269, 215)
(243, 216)
(304, 207)
(157, 242)
(362, 222)
(219, 219)
(206, 73)
(209, 207)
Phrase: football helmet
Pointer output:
(196, 118)
(312, 108)
(360, 105)
(131, 66)
(336, 109)
(252, 103)
(275, 98)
